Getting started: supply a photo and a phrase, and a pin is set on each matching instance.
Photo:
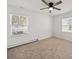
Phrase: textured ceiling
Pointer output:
(35, 5)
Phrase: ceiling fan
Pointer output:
(51, 5)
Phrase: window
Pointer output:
(19, 24)
(67, 24)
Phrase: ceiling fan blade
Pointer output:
(58, 3)
(44, 8)
(45, 2)
(56, 8)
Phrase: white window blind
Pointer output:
(67, 24)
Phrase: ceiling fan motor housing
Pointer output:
(50, 4)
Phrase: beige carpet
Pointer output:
(51, 48)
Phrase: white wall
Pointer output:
(40, 26)
(58, 27)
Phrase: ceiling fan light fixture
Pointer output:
(51, 5)
(51, 9)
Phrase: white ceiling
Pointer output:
(35, 5)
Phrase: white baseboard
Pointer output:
(62, 38)
(26, 42)
(20, 43)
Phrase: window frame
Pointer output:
(66, 24)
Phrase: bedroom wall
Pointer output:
(40, 26)
(58, 27)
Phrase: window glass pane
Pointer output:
(67, 24)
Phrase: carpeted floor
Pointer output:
(51, 48)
